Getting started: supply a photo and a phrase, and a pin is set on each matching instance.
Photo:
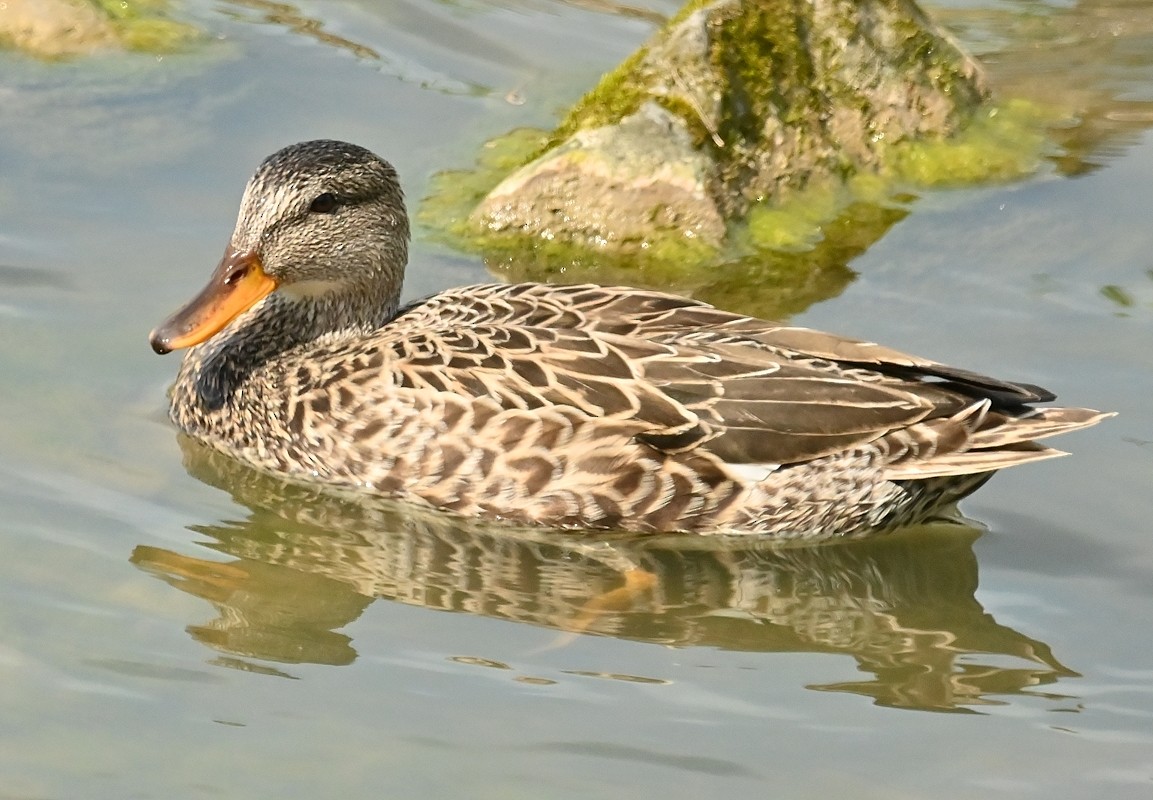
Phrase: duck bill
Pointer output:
(238, 284)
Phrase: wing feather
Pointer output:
(685, 375)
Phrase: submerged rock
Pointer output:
(732, 103)
(64, 28)
(53, 28)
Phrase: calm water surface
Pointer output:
(174, 626)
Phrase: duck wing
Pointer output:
(750, 391)
(744, 402)
(662, 317)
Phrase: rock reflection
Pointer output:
(295, 20)
(306, 563)
(1090, 60)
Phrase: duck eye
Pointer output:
(324, 204)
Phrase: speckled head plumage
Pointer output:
(320, 221)
(323, 209)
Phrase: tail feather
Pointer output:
(986, 441)
(973, 461)
(999, 430)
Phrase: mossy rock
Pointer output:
(738, 102)
(780, 180)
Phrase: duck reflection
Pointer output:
(306, 563)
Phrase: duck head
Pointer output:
(322, 223)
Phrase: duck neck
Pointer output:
(282, 322)
(306, 312)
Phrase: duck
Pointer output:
(582, 407)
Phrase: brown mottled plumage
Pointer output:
(566, 406)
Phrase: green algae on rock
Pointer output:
(143, 25)
(1001, 142)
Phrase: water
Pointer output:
(173, 626)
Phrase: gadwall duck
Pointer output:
(591, 407)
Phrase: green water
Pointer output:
(172, 626)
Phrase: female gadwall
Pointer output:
(564, 406)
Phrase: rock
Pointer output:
(646, 164)
(56, 29)
(735, 102)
